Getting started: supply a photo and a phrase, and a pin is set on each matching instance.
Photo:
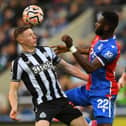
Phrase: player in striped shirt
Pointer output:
(36, 68)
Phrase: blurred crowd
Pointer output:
(57, 16)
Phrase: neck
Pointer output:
(106, 36)
(28, 49)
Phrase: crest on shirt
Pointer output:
(109, 54)
(42, 115)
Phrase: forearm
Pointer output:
(63, 49)
(84, 63)
(84, 50)
(74, 71)
(13, 99)
(77, 73)
(122, 80)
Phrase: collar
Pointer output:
(106, 40)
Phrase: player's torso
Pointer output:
(37, 63)
(103, 79)
(39, 75)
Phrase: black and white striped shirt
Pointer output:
(37, 71)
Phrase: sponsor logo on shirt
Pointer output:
(108, 54)
(42, 67)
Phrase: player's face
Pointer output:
(29, 38)
(100, 27)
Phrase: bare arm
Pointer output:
(74, 71)
(63, 49)
(84, 63)
(84, 50)
(13, 99)
(122, 80)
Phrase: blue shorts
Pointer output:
(103, 107)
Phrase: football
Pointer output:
(33, 15)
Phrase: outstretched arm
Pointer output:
(74, 71)
(63, 49)
(13, 99)
(84, 63)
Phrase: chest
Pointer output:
(36, 64)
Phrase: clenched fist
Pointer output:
(67, 40)
(13, 115)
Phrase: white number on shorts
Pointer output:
(103, 104)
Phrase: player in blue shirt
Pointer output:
(101, 89)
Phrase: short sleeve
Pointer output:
(107, 55)
(16, 71)
(56, 59)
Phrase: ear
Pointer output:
(20, 39)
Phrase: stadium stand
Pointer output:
(75, 17)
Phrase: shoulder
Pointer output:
(15, 62)
(17, 59)
(43, 47)
(110, 50)
(114, 46)
(111, 46)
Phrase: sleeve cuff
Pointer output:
(101, 61)
(56, 60)
(15, 80)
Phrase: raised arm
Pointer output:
(13, 99)
(84, 63)
(74, 71)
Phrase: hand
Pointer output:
(13, 114)
(67, 40)
(60, 49)
(122, 81)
